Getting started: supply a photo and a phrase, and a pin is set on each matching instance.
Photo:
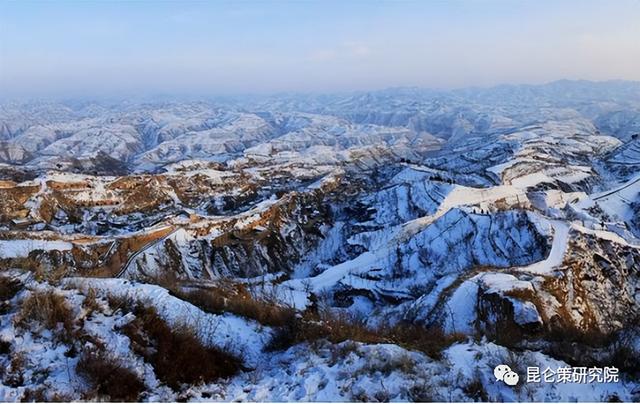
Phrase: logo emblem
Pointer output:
(504, 374)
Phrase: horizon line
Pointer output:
(137, 96)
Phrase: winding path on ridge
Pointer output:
(617, 189)
(558, 249)
(150, 244)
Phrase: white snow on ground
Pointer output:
(615, 203)
(460, 196)
(556, 199)
(149, 253)
(498, 169)
(50, 367)
(239, 336)
(318, 371)
(460, 309)
(498, 282)
(479, 360)
(624, 191)
(490, 240)
(524, 312)
(248, 218)
(327, 373)
(22, 248)
(332, 275)
(355, 371)
(558, 248)
(604, 235)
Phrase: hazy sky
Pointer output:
(224, 47)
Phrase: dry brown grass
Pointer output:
(177, 355)
(292, 327)
(108, 377)
(592, 347)
(90, 301)
(430, 340)
(47, 308)
(341, 327)
(571, 334)
(125, 303)
(14, 376)
(39, 395)
(475, 390)
(238, 300)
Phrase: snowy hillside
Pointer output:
(390, 245)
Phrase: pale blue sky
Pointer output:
(226, 47)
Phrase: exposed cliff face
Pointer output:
(285, 233)
(270, 238)
(595, 270)
(593, 291)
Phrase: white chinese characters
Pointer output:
(567, 374)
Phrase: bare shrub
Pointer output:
(517, 361)
(429, 340)
(211, 300)
(9, 288)
(236, 299)
(47, 308)
(571, 334)
(402, 363)
(423, 392)
(341, 351)
(15, 373)
(475, 390)
(125, 303)
(90, 301)
(293, 327)
(37, 395)
(5, 347)
(325, 325)
(592, 347)
(623, 352)
(177, 355)
(108, 376)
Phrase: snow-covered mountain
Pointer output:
(390, 245)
